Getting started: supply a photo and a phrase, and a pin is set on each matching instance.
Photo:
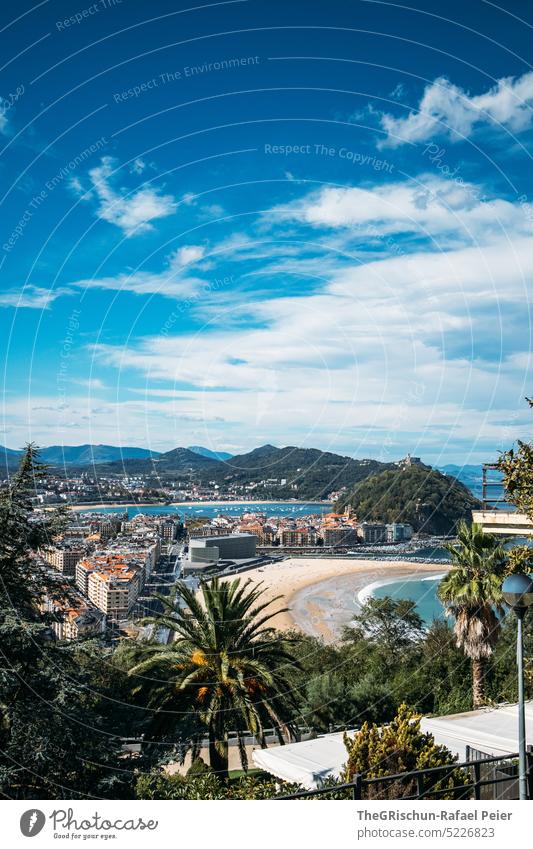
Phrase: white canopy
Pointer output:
(308, 763)
(492, 731)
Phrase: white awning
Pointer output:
(492, 731)
(308, 763)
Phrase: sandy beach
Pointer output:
(321, 594)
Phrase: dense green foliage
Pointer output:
(57, 736)
(430, 501)
(367, 675)
(517, 468)
(158, 785)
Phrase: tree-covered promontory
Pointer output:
(430, 501)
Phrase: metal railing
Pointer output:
(490, 483)
(485, 775)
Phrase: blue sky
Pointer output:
(248, 222)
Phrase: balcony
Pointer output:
(503, 523)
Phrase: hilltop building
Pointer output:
(409, 461)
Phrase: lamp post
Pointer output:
(518, 593)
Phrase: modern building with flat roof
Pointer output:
(228, 547)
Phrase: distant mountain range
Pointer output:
(89, 455)
(206, 452)
(160, 466)
(470, 475)
(289, 472)
(79, 455)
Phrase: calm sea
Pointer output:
(423, 591)
(224, 508)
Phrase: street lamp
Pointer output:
(518, 593)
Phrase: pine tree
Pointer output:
(56, 737)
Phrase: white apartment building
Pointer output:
(114, 591)
(64, 558)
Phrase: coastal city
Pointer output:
(266, 453)
(108, 565)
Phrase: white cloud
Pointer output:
(138, 166)
(398, 92)
(447, 109)
(32, 297)
(350, 356)
(76, 186)
(170, 282)
(188, 254)
(132, 211)
(429, 205)
(3, 117)
(335, 364)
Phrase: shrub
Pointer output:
(380, 751)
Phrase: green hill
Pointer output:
(430, 501)
(308, 472)
(170, 463)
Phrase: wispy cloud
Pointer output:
(32, 297)
(188, 254)
(3, 117)
(133, 211)
(428, 205)
(174, 280)
(448, 110)
(138, 166)
(348, 356)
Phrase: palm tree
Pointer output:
(471, 593)
(225, 662)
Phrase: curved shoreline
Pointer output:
(320, 595)
(367, 593)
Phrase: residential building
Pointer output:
(84, 568)
(255, 528)
(290, 537)
(73, 616)
(372, 532)
(167, 529)
(114, 590)
(64, 557)
(399, 532)
(341, 535)
(80, 622)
